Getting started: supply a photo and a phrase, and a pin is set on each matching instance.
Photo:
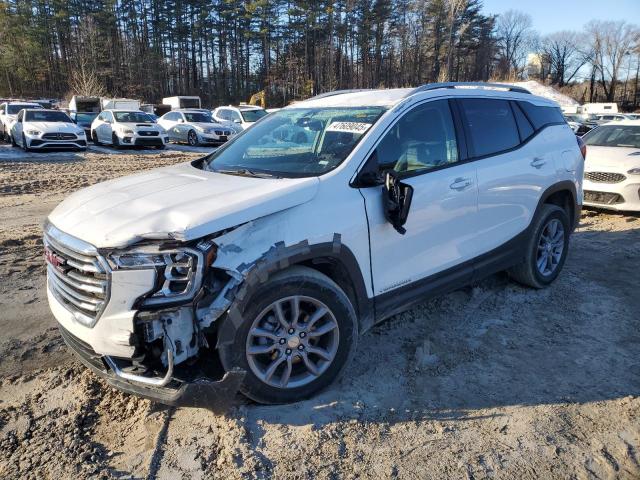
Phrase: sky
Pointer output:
(553, 15)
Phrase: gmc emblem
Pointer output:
(53, 259)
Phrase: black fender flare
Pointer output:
(278, 258)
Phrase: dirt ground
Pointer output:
(494, 380)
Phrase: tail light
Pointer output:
(583, 147)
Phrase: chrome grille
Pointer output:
(59, 136)
(77, 276)
(605, 177)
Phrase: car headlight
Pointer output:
(80, 132)
(178, 271)
(34, 132)
(126, 131)
(634, 171)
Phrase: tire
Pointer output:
(115, 141)
(528, 272)
(24, 144)
(307, 285)
(161, 147)
(94, 138)
(13, 141)
(192, 138)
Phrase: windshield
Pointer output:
(132, 117)
(15, 109)
(614, 136)
(252, 115)
(85, 117)
(198, 117)
(299, 142)
(46, 116)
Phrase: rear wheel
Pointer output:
(192, 138)
(546, 249)
(298, 333)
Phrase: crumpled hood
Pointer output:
(620, 159)
(180, 202)
(52, 127)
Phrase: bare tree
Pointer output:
(610, 41)
(565, 54)
(515, 39)
(84, 81)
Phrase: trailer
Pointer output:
(180, 102)
(80, 103)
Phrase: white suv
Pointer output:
(243, 116)
(258, 266)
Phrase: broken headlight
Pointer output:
(178, 271)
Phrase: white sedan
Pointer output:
(45, 129)
(120, 128)
(612, 167)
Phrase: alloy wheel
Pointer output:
(292, 342)
(550, 247)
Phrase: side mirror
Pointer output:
(237, 120)
(396, 197)
(180, 120)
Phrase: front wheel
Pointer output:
(25, 147)
(298, 333)
(94, 138)
(192, 138)
(115, 141)
(546, 248)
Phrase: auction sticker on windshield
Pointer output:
(351, 127)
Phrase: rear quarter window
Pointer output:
(491, 126)
(542, 116)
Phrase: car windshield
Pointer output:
(252, 115)
(198, 117)
(298, 142)
(85, 117)
(15, 109)
(46, 116)
(132, 117)
(614, 136)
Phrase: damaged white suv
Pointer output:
(257, 267)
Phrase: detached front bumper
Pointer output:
(199, 391)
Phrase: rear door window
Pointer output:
(491, 125)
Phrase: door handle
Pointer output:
(460, 184)
(538, 162)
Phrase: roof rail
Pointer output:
(339, 92)
(490, 86)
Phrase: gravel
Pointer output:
(493, 380)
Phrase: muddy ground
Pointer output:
(494, 380)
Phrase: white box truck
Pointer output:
(120, 104)
(180, 102)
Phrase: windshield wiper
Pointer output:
(245, 172)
